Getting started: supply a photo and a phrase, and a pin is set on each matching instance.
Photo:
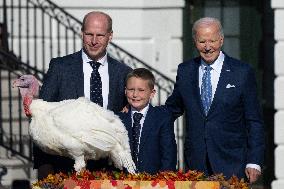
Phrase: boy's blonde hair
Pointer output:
(144, 74)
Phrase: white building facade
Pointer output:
(278, 6)
(149, 29)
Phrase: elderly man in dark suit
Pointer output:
(224, 126)
(90, 73)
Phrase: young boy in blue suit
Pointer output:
(150, 129)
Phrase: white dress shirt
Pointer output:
(215, 75)
(215, 72)
(144, 112)
(103, 70)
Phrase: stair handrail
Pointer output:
(9, 61)
(115, 50)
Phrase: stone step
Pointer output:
(18, 169)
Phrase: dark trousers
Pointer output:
(209, 170)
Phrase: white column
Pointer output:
(278, 6)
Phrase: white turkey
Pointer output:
(79, 129)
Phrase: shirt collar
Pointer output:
(217, 64)
(86, 58)
(143, 111)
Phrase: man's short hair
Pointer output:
(207, 21)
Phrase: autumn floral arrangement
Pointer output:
(83, 179)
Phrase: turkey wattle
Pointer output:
(79, 129)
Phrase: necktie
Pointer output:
(96, 84)
(135, 135)
(206, 89)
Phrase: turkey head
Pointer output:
(29, 88)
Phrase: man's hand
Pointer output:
(252, 174)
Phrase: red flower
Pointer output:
(113, 182)
(84, 184)
(171, 184)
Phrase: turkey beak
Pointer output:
(15, 83)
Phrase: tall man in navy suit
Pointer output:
(150, 129)
(224, 126)
(68, 77)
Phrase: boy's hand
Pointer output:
(125, 109)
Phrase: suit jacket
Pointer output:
(65, 80)
(232, 134)
(157, 148)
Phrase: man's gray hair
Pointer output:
(207, 21)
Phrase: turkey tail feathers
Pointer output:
(129, 164)
(123, 159)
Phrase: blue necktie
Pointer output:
(135, 135)
(206, 89)
(96, 84)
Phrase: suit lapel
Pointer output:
(128, 125)
(221, 86)
(77, 75)
(196, 84)
(74, 71)
(112, 72)
(194, 81)
(147, 127)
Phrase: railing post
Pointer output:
(3, 29)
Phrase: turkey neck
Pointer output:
(27, 100)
